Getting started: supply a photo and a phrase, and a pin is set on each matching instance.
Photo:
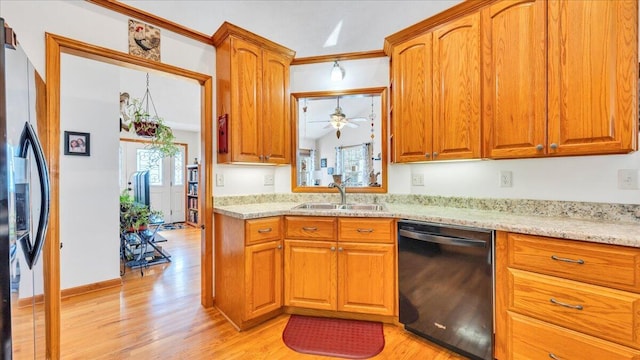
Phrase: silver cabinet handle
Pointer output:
(340, 248)
(553, 356)
(576, 307)
(435, 154)
(262, 231)
(553, 146)
(539, 147)
(279, 246)
(333, 248)
(360, 230)
(557, 258)
(309, 228)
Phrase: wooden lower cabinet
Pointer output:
(310, 274)
(365, 278)
(354, 276)
(248, 269)
(534, 339)
(263, 274)
(552, 300)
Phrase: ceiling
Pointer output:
(314, 123)
(311, 28)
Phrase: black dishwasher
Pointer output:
(446, 286)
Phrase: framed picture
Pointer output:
(76, 143)
(330, 171)
(323, 163)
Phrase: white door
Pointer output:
(166, 178)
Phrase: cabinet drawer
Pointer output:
(310, 227)
(365, 230)
(598, 311)
(532, 339)
(608, 265)
(260, 230)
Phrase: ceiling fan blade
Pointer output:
(318, 121)
(358, 119)
(351, 125)
(327, 126)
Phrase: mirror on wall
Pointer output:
(340, 136)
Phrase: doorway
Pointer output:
(55, 45)
(166, 177)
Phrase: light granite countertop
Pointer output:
(599, 231)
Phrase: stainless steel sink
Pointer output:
(318, 206)
(332, 206)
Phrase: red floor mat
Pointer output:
(351, 339)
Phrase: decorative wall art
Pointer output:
(144, 40)
(76, 143)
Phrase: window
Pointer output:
(354, 163)
(150, 160)
(178, 168)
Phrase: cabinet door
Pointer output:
(366, 278)
(593, 76)
(310, 274)
(276, 123)
(412, 99)
(246, 95)
(456, 89)
(515, 77)
(263, 283)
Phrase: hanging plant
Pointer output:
(152, 126)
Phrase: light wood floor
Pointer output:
(158, 316)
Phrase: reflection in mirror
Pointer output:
(340, 136)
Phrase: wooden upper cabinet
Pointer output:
(593, 76)
(412, 99)
(456, 89)
(253, 92)
(246, 96)
(276, 124)
(514, 86)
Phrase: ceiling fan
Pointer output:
(338, 120)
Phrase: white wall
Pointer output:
(84, 260)
(95, 25)
(89, 233)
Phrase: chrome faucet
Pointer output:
(343, 192)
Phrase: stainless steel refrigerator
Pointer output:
(24, 203)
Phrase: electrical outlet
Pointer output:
(219, 180)
(506, 179)
(628, 179)
(268, 180)
(417, 179)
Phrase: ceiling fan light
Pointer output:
(336, 72)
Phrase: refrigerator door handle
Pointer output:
(30, 139)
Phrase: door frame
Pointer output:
(55, 46)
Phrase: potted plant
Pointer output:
(152, 127)
(135, 216)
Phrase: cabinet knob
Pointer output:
(427, 155)
(553, 356)
(553, 146)
(333, 248)
(260, 157)
(435, 154)
(279, 246)
(539, 147)
(340, 248)
(266, 158)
